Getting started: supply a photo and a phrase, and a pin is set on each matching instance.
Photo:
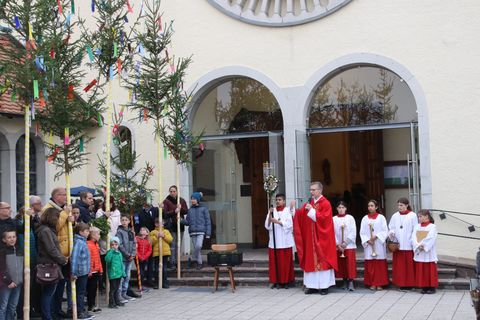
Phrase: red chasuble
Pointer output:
(315, 241)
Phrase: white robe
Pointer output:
(284, 232)
(349, 233)
(401, 228)
(429, 252)
(380, 230)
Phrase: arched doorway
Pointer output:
(363, 138)
(242, 125)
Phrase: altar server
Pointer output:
(401, 228)
(279, 224)
(373, 233)
(345, 237)
(425, 254)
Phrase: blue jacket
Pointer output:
(198, 220)
(80, 259)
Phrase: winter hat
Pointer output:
(114, 239)
(197, 196)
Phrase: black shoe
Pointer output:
(112, 306)
(121, 304)
(132, 294)
(424, 290)
(286, 285)
(310, 291)
(155, 286)
(165, 286)
(430, 291)
(199, 266)
(62, 315)
(323, 292)
(273, 286)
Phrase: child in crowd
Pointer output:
(345, 237)
(373, 233)
(116, 271)
(11, 274)
(198, 221)
(167, 238)
(96, 269)
(144, 253)
(401, 228)
(128, 249)
(80, 266)
(425, 254)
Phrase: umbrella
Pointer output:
(75, 192)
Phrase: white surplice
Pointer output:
(401, 227)
(284, 232)
(429, 252)
(380, 230)
(349, 233)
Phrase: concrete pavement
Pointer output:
(262, 303)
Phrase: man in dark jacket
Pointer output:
(145, 217)
(198, 220)
(85, 203)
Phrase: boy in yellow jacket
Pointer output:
(166, 236)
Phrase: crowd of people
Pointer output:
(326, 245)
(55, 262)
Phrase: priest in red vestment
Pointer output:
(315, 242)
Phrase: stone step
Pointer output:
(443, 273)
(455, 284)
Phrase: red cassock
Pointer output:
(426, 275)
(284, 259)
(315, 241)
(403, 270)
(347, 266)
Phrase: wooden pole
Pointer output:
(179, 235)
(160, 212)
(26, 219)
(70, 244)
(108, 168)
(137, 263)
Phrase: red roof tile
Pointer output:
(6, 104)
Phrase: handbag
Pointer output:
(48, 273)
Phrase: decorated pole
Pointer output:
(26, 219)
(160, 212)
(108, 166)
(179, 236)
(270, 184)
(70, 244)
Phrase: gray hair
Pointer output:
(318, 184)
(35, 199)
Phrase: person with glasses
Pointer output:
(279, 224)
(6, 220)
(315, 242)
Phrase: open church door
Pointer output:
(302, 167)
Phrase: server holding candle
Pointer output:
(373, 232)
(345, 237)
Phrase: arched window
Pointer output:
(20, 169)
(239, 105)
(362, 95)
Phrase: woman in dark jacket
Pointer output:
(49, 253)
